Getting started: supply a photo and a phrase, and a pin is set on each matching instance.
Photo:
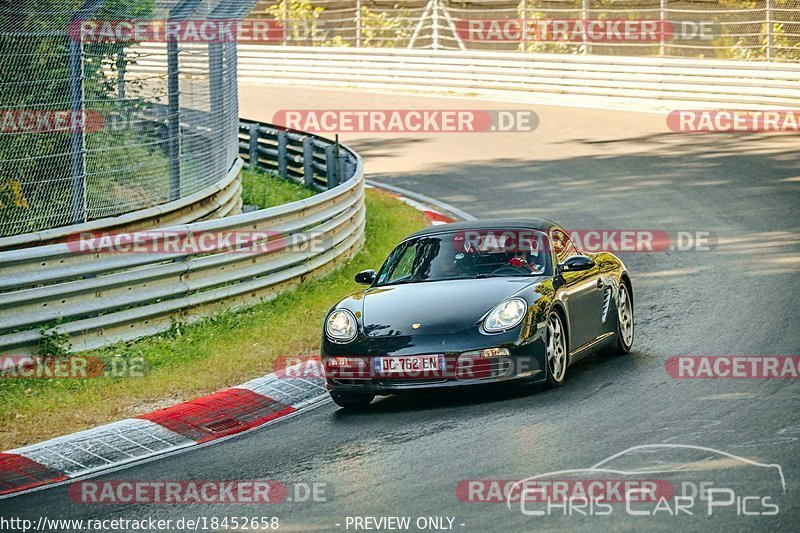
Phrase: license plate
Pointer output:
(408, 364)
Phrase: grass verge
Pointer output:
(265, 190)
(196, 359)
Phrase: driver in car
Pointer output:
(527, 258)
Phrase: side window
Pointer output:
(562, 245)
(405, 264)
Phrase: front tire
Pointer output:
(556, 351)
(623, 340)
(350, 400)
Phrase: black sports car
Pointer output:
(472, 303)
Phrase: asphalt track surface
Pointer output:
(585, 169)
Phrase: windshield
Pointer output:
(467, 254)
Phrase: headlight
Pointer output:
(505, 315)
(341, 325)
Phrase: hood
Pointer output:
(438, 306)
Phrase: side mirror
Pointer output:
(366, 277)
(576, 263)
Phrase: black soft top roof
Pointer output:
(487, 224)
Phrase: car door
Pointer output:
(582, 294)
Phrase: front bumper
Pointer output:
(524, 364)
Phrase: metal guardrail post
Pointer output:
(308, 162)
(338, 168)
(342, 161)
(173, 121)
(282, 142)
(770, 36)
(253, 146)
(330, 166)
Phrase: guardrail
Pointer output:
(639, 81)
(215, 201)
(305, 158)
(106, 296)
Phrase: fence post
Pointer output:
(232, 99)
(308, 161)
(173, 121)
(282, 138)
(770, 36)
(358, 23)
(77, 99)
(253, 147)
(586, 45)
(435, 25)
(342, 168)
(330, 166)
(340, 159)
(216, 93)
(662, 51)
(121, 66)
(286, 22)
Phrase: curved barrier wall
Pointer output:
(215, 201)
(108, 296)
(639, 81)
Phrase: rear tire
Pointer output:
(556, 351)
(623, 340)
(351, 400)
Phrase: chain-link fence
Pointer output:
(720, 29)
(96, 122)
(83, 136)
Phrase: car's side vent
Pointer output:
(606, 302)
